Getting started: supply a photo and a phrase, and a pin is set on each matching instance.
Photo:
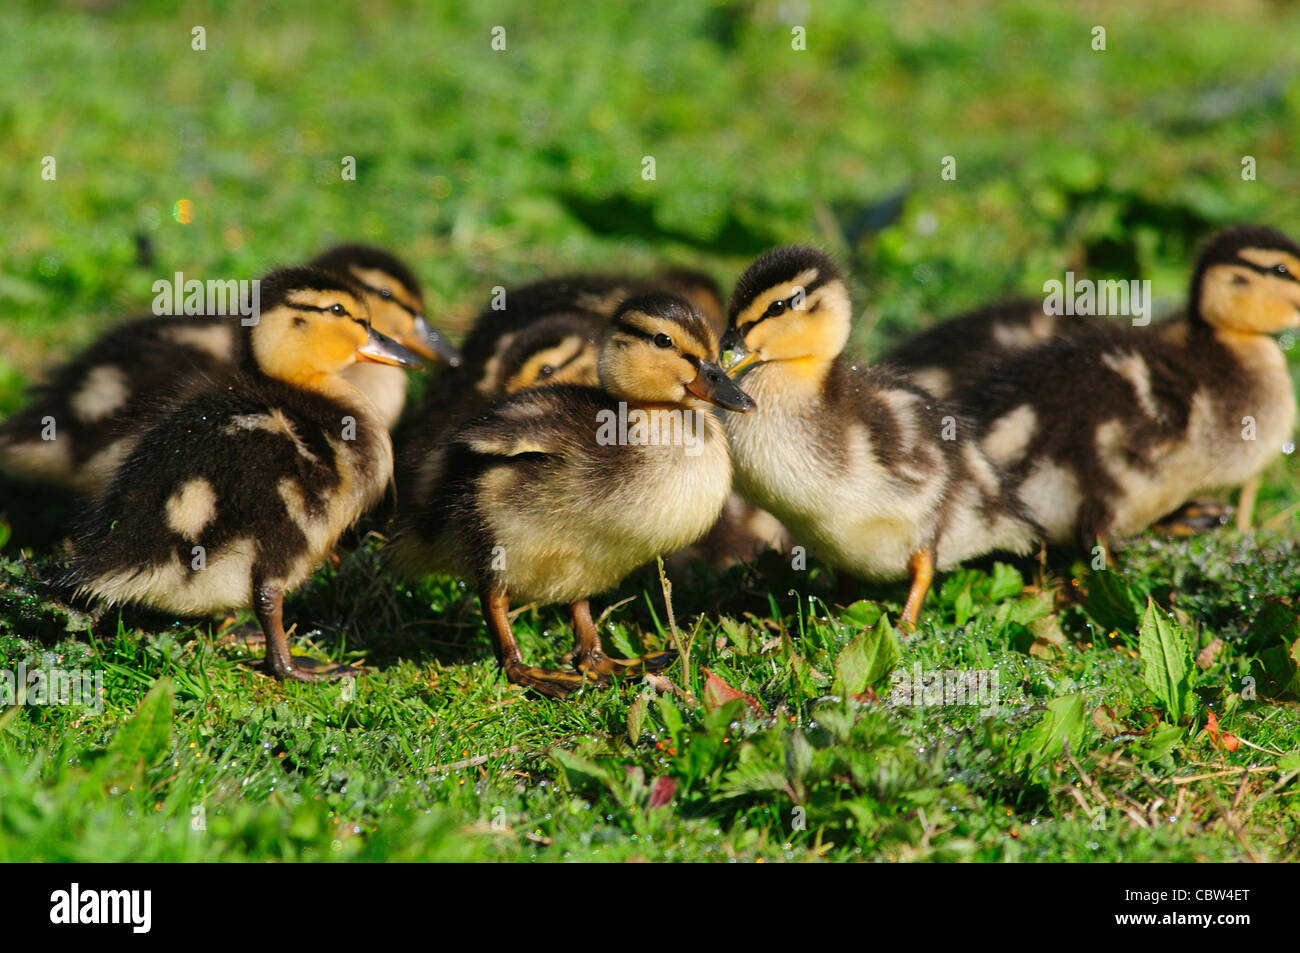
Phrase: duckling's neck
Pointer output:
(797, 380)
(339, 389)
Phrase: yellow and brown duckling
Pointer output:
(557, 493)
(234, 494)
(866, 468)
(1102, 432)
(545, 332)
(562, 346)
(83, 421)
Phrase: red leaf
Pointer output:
(662, 791)
(717, 693)
(1230, 742)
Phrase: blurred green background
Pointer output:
(485, 167)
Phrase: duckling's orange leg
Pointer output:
(268, 606)
(549, 682)
(1246, 504)
(589, 652)
(920, 567)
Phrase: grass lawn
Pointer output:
(1143, 713)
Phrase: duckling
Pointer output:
(396, 311)
(233, 494)
(549, 327)
(82, 423)
(1104, 431)
(957, 351)
(594, 295)
(865, 467)
(556, 493)
(562, 347)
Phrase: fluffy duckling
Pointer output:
(233, 494)
(557, 493)
(396, 311)
(950, 355)
(83, 421)
(559, 348)
(866, 468)
(1104, 431)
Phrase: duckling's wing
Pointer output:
(530, 422)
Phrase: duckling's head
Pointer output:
(659, 350)
(393, 293)
(559, 349)
(1248, 280)
(313, 324)
(790, 305)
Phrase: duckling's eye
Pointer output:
(546, 371)
(385, 292)
(338, 309)
(1281, 270)
(663, 340)
(774, 309)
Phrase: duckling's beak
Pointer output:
(429, 342)
(384, 350)
(735, 356)
(712, 384)
(738, 359)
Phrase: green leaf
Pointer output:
(862, 613)
(866, 660)
(146, 736)
(579, 772)
(964, 607)
(1006, 582)
(671, 715)
(636, 718)
(1275, 640)
(1160, 745)
(1062, 722)
(1111, 603)
(1167, 664)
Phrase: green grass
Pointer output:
(488, 168)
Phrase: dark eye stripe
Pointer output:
(389, 297)
(1267, 270)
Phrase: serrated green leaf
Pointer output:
(146, 736)
(1167, 664)
(866, 660)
